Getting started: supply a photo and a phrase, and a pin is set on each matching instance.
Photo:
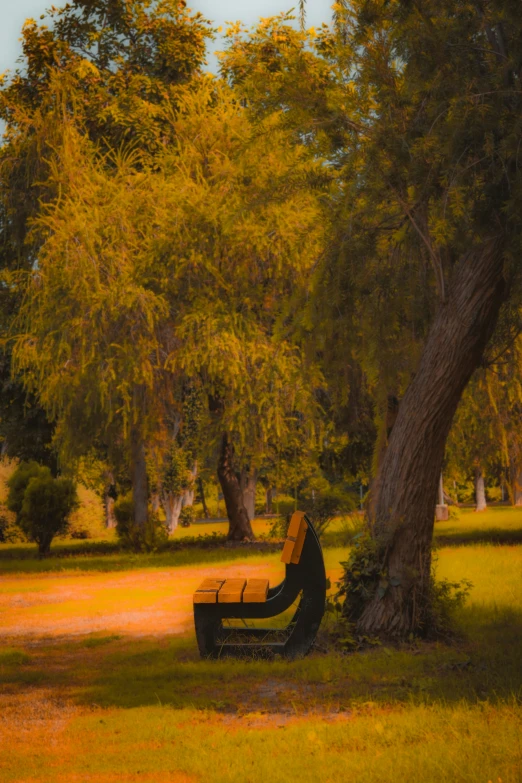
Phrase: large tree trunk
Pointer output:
(172, 505)
(480, 492)
(406, 487)
(240, 528)
(248, 482)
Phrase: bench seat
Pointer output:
(227, 591)
(253, 591)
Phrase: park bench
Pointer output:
(218, 601)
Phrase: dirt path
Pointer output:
(138, 603)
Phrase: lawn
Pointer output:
(101, 681)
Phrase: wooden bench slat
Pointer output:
(208, 590)
(291, 538)
(231, 591)
(298, 548)
(255, 591)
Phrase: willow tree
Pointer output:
(91, 327)
(117, 61)
(245, 228)
(103, 68)
(419, 108)
(155, 272)
(431, 183)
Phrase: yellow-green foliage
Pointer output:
(209, 241)
(6, 470)
(89, 516)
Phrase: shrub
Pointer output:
(17, 483)
(350, 528)
(364, 578)
(9, 532)
(46, 507)
(187, 516)
(325, 506)
(454, 514)
(79, 533)
(279, 527)
(444, 599)
(133, 536)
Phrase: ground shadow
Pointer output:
(484, 665)
(457, 537)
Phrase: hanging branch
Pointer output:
(340, 9)
(302, 14)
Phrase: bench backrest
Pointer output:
(295, 538)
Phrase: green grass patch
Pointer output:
(204, 543)
(433, 744)
(126, 561)
(496, 525)
(100, 641)
(10, 656)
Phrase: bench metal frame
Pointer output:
(306, 579)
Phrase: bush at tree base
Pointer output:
(365, 577)
(148, 538)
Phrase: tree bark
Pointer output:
(140, 488)
(480, 492)
(269, 499)
(108, 505)
(248, 482)
(188, 495)
(172, 505)
(240, 528)
(406, 486)
(44, 545)
(201, 491)
(108, 501)
(517, 487)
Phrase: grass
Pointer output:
(496, 525)
(204, 543)
(114, 705)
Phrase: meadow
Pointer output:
(101, 679)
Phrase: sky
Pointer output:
(14, 12)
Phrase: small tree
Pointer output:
(18, 482)
(42, 503)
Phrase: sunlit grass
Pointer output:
(497, 525)
(161, 744)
